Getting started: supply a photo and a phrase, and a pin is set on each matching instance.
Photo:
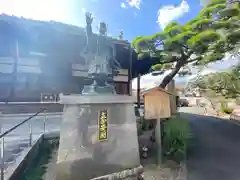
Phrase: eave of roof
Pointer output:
(141, 66)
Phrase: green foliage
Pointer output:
(225, 84)
(228, 13)
(202, 40)
(176, 138)
(159, 67)
(38, 168)
(228, 110)
(225, 109)
(215, 2)
(212, 8)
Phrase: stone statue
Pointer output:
(100, 53)
(100, 131)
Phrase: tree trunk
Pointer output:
(167, 79)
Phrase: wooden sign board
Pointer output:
(157, 104)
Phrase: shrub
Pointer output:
(225, 109)
(228, 110)
(176, 138)
(38, 167)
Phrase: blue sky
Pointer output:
(134, 17)
(143, 17)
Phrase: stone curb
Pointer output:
(134, 172)
(23, 160)
(27, 155)
(235, 118)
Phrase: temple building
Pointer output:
(38, 57)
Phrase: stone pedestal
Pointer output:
(98, 138)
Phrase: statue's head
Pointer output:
(103, 28)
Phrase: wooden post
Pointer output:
(138, 90)
(158, 138)
(130, 71)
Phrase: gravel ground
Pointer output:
(168, 171)
(152, 172)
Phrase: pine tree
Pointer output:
(204, 39)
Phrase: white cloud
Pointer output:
(83, 10)
(123, 5)
(149, 81)
(170, 13)
(134, 3)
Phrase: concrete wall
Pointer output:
(24, 161)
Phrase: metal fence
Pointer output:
(30, 137)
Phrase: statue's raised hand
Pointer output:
(89, 18)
